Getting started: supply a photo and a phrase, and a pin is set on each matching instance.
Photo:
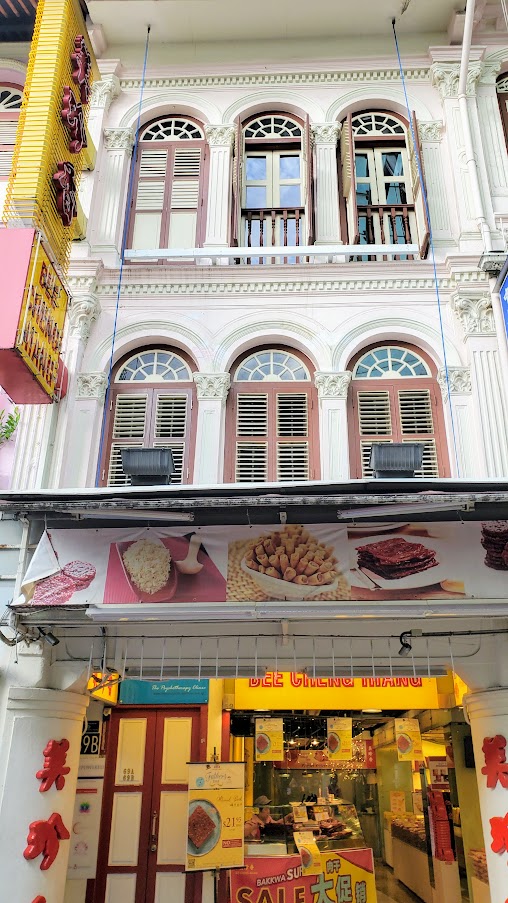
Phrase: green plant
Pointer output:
(8, 424)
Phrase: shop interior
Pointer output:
(427, 846)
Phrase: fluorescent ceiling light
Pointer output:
(413, 508)
(371, 711)
(136, 514)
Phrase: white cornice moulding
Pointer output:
(277, 79)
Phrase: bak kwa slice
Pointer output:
(395, 552)
(201, 827)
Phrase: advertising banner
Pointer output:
(144, 692)
(215, 816)
(309, 852)
(408, 739)
(236, 564)
(363, 755)
(397, 802)
(344, 876)
(269, 742)
(339, 739)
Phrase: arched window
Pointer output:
(150, 407)
(272, 419)
(381, 182)
(395, 398)
(167, 205)
(273, 183)
(10, 105)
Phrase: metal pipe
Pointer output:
(480, 216)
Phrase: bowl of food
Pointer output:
(148, 568)
(291, 564)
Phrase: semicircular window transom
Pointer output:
(172, 128)
(155, 366)
(273, 126)
(388, 362)
(10, 98)
(272, 365)
(377, 124)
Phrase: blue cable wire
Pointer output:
(122, 259)
(431, 243)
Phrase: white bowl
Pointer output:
(283, 589)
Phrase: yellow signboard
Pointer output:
(269, 742)
(339, 733)
(408, 739)
(215, 816)
(283, 691)
(104, 687)
(347, 875)
(308, 849)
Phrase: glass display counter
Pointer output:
(335, 826)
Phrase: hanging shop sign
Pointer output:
(33, 314)
(339, 739)
(363, 755)
(163, 692)
(215, 816)
(51, 141)
(104, 686)
(269, 741)
(408, 739)
(309, 852)
(139, 566)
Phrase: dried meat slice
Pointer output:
(54, 590)
(201, 827)
(82, 572)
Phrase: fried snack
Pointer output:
(293, 555)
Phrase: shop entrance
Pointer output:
(143, 831)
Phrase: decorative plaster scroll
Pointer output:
(220, 135)
(82, 312)
(445, 77)
(502, 85)
(212, 385)
(92, 385)
(332, 385)
(277, 79)
(475, 314)
(119, 139)
(431, 131)
(105, 91)
(460, 381)
(326, 132)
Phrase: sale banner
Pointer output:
(215, 816)
(309, 852)
(269, 743)
(345, 877)
(339, 739)
(408, 739)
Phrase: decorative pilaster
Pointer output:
(212, 392)
(458, 418)
(325, 137)
(83, 430)
(430, 130)
(474, 313)
(459, 379)
(108, 206)
(92, 385)
(104, 92)
(445, 77)
(333, 423)
(220, 141)
(83, 310)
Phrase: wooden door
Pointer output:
(143, 830)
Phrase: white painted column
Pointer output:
(333, 428)
(492, 137)
(218, 212)
(83, 431)
(440, 192)
(212, 390)
(33, 717)
(459, 421)
(487, 712)
(327, 185)
(108, 210)
(489, 392)
(103, 93)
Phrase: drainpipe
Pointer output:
(466, 128)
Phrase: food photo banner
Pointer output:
(309, 563)
(215, 816)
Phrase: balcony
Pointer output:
(276, 227)
(386, 225)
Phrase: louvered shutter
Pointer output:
(129, 431)
(185, 197)
(347, 155)
(422, 221)
(308, 156)
(417, 425)
(150, 199)
(236, 207)
(375, 424)
(251, 459)
(8, 128)
(292, 419)
(171, 427)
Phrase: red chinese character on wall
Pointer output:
(496, 766)
(81, 67)
(39, 899)
(54, 768)
(74, 118)
(499, 832)
(44, 839)
(66, 200)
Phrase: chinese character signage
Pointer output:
(344, 877)
(269, 742)
(215, 816)
(408, 739)
(339, 739)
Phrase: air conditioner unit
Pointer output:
(148, 466)
(395, 460)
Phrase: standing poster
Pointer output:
(215, 816)
(408, 739)
(397, 802)
(269, 739)
(309, 852)
(339, 739)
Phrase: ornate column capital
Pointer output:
(326, 132)
(332, 385)
(460, 381)
(119, 139)
(431, 130)
(92, 385)
(445, 77)
(220, 135)
(475, 314)
(83, 310)
(212, 385)
(105, 91)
